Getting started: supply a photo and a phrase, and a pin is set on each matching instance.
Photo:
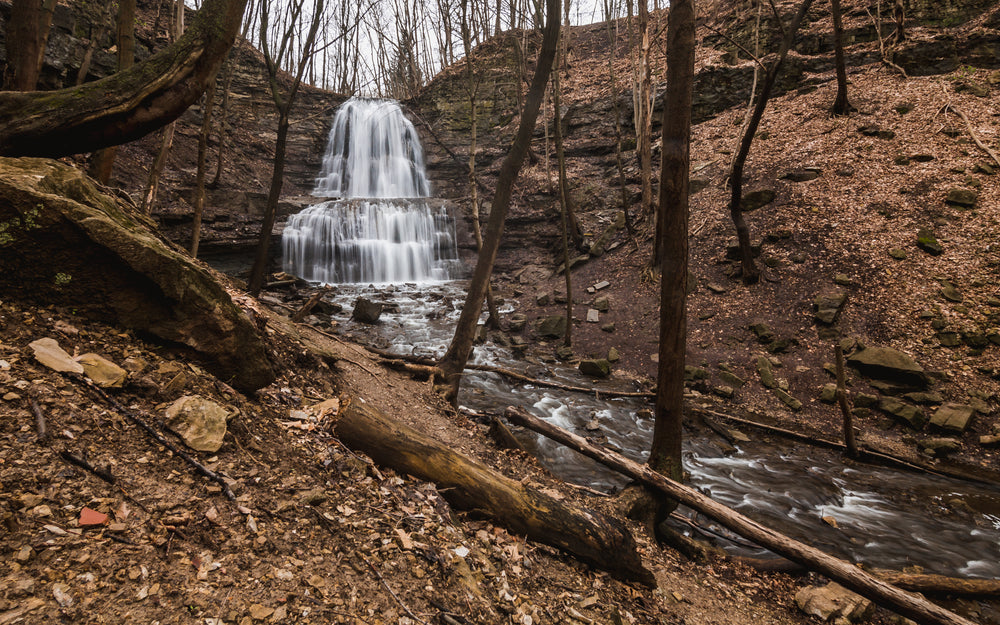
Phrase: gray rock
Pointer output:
(766, 372)
(949, 338)
(602, 304)
(613, 355)
(788, 400)
(801, 175)
(543, 299)
(928, 242)
(693, 374)
(516, 322)
(922, 158)
(593, 316)
(367, 311)
(940, 446)
(608, 327)
(984, 168)
(965, 198)
(120, 270)
(889, 364)
(596, 368)
(829, 393)
(763, 332)
(924, 397)
(732, 379)
(102, 371)
(952, 417)
(726, 392)
(909, 415)
(564, 353)
(898, 253)
(200, 423)
(828, 306)
(835, 603)
(950, 292)
(865, 400)
(756, 199)
(553, 327)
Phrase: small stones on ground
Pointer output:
(965, 198)
(716, 288)
(897, 253)
(952, 417)
(756, 199)
(200, 422)
(828, 306)
(766, 372)
(950, 292)
(829, 393)
(834, 603)
(927, 241)
(595, 368)
(551, 327)
(593, 315)
(910, 416)
(787, 399)
(939, 446)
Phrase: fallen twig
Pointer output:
(382, 579)
(968, 126)
(81, 462)
(159, 438)
(42, 435)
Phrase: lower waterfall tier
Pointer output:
(371, 241)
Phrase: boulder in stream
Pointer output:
(366, 311)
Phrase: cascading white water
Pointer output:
(373, 154)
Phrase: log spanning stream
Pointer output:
(885, 518)
(882, 517)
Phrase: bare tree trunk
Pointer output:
(750, 271)
(899, 14)
(283, 102)
(612, 78)
(665, 452)
(199, 193)
(103, 161)
(493, 320)
(127, 105)
(845, 409)
(453, 362)
(226, 91)
(23, 40)
(563, 203)
(841, 106)
(644, 111)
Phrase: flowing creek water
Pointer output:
(403, 253)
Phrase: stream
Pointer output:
(882, 517)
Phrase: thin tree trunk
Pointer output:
(665, 451)
(846, 574)
(644, 112)
(199, 194)
(226, 91)
(493, 320)
(103, 160)
(44, 28)
(750, 271)
(841, 106)
(849, 440)
(563, 202)
(453, 362)
(612, 78)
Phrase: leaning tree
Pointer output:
(126, 105)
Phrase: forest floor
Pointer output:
(319, 534)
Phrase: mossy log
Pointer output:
(846, 574)
(592, 537)
(127, 105)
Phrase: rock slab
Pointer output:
(199, 422)
(952, 417)
(833, 603)
(885, 363)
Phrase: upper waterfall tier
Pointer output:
(373, 152)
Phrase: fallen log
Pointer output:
(940, 584)
(601, 541)
(846, 574)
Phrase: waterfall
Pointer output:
(381, 228)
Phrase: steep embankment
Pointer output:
(849, 202)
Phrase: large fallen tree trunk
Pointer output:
(590, 536)
(846, 574)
